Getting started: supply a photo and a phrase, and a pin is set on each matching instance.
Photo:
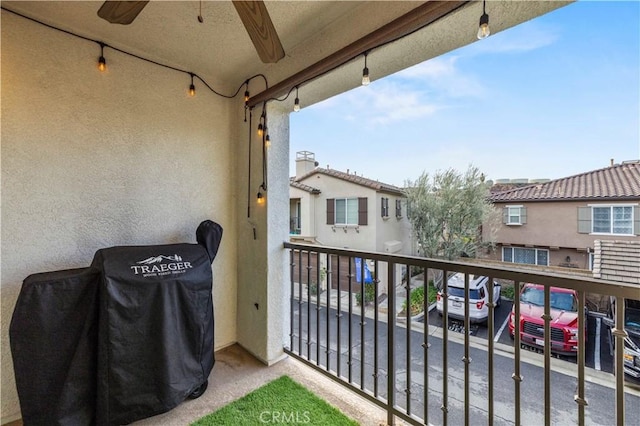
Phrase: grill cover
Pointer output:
(128, 338)
(53, 338)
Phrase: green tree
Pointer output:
(447, 212)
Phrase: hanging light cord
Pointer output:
(142, 58)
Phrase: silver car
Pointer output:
(478, 297)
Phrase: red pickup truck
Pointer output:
(564, 322)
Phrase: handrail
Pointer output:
(588, 284)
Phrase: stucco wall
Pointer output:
(340, 236)
(92, 160)
(552, 224)
(392, 228)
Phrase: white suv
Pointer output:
(478, 297)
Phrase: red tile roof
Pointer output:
(617, 182)
(353, 178)
(302, 186)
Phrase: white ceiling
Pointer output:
(220, 50)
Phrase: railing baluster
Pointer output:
(425, 347)
(300, 301)
(490, 336)
(318, 312)
(362, 321)
(375, 330)
(445, 340)
(349, 327)
(309, 304)
(338, 316)
(466, 359)
(329, 312)
(580, 397)
(408, 346)
(391, 351)
(620, 334)
(516, 376)
(547, 355)
(292, 265)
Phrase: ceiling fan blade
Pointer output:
(263, 34)
(121, 12)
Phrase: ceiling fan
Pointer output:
(253, 14)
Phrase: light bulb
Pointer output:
(246, 96)
(483, 29)
(260, 130)
(365, 77)
(260, 198)
(296, 105)
(192, 90)
(267, 142)
(102, 63)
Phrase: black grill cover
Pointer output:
(53, 338)
(126, 339)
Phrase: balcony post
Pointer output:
(391, 352)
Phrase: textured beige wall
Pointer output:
(92, 160)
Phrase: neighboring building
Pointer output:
(342, 209)
(556, 223)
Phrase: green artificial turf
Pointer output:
(281, 401)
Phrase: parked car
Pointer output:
(564, 318)
(479, 288)
(632, 341)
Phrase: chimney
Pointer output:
(611, 163)
(305, 163)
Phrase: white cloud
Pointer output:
(443, 78)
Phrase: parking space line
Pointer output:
(596, 359)
(499, 333)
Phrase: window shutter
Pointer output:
(398, 208)
(505, 215)
(523, 215)
(331, 211)
(584, 220)
(382, 210)
(636, 220)
(362, 211)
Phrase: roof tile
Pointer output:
(619, 181)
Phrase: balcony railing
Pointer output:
(408, 367)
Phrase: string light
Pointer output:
(365, 71)
(296, 103)
(260, 130)
(192, 87)
(246, 91)
(267, 142)
(102, 63)
(260, 198)
(483, 28)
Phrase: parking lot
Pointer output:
(598, 354)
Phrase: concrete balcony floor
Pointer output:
(237, 372)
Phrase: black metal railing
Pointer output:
(346, 324)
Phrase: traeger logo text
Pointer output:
(161, 265)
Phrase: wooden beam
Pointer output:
(419, 17)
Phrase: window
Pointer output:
(514, 215)
(385, 207)
(398, 209)
(347, 211)
(530, 256)
(613, 220)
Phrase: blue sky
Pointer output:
(553, 97)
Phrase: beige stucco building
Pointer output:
(342, 209)
(556, 223)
